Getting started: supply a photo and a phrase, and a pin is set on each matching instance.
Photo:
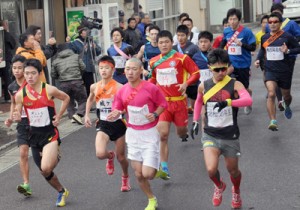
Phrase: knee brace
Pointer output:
(48, 178)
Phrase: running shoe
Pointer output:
(73, 121)
(125, 184)
(152, 204)
(273, 125)
(236, 202)
(61, 198)
(166, 171)
(24, 189)
(185, 139)
(217, 196)
(287, 111)
(78, 119)
(162, 174)
(248, 110)
(110, 167)
(280, 107)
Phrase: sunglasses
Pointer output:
(274, 21)
(218, 69)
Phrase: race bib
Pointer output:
(166, 76)
(274, 54)
(234, 49)
(205, 74)
(119, 62)
(137, 115)
(39, 117)
(104, 106)
(220, 119)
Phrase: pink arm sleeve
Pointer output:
(198, 107)
(244, 100)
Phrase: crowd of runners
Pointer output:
(151, 79)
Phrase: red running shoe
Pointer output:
(125, 184)
(217, 197)
(236, 202)
(110, 167)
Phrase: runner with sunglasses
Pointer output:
(276, 48)
(222, 96)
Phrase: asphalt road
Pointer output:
(269, 164)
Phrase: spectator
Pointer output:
(9, 46)
(68, 68)
(49, 50)
(87, 49)
(30, 48)
(145, 20)
(133, 35)
(192, 36)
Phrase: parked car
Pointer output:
(292, 9)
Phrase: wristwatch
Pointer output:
(155, 115)
(288, 51)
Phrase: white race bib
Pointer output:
(205, 74)
(274, 54)
(234, 49)
(166, 76)
(220, 119)
(105, 106)
(137, 115)
(119, 61)
(39, 117)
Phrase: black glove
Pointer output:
(194, 129)
(221, 105)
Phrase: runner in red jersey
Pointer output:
(37, 99)
(173, 72)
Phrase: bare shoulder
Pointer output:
(201, 87)
(238, 86)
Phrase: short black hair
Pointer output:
(264, 17)
(184, 14)
(225, 21)
(107, 58)
(130, 19)
(120, 30)
(32, 29)
(18, 58)
(154, 27)
(234, 11)
(277, 6)
(23, 38)
(34, 63)
(146, 26)
(218, 56)
(276, 14)
(164, 33)
(62, 47)
(206, 35)
(182, 29)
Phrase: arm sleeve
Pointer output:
(243, 100)
(49, 51)
(249, 47)
(198, 107)
(294, 46)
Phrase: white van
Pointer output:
(292, 9)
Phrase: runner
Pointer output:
(149, 50)
(143, 103)
(120, 52)
(240, 42)
(37, 99)
(23, 126)
(276, 46)
(222, 96)
(103, 93)
(185, 46)
(170, 71)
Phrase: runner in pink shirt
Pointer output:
(143, 103)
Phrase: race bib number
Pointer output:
(104, 106)
(166, 76)
(220, 119)
(274, 54)
(234, 49)
(205, 74)
(137, 115)
(39, 117)
(119, 62)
